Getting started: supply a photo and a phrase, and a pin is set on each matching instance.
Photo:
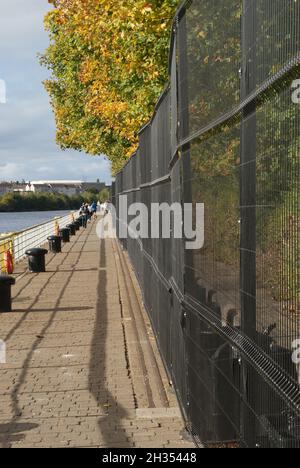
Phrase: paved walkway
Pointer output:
(82, 366)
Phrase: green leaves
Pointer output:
(108, 61)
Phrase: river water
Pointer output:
(13, 222)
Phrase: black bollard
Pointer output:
(77, 225)
(72, 228)
(36, 260)
(54, 244)
(65, 235)
(6, 283)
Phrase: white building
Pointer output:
(65, 187)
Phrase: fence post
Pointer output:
(248, 212)
(185, 181)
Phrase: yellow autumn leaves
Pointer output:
(108, 60)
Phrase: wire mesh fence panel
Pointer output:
(209, 55)
(225, 134)
(276, 41)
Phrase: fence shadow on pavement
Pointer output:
(110, 425)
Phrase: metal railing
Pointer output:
(17, 243)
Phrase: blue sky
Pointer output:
(27, 131)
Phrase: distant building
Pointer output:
(5, 187)
(99, 186)
(19, 188)
(63, 187)
(8, 187)
(38, 187)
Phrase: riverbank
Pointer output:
(32, 202)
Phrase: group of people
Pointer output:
(88, 212)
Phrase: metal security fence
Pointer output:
(226, 133)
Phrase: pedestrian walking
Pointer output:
(84, 212)
(94, 207)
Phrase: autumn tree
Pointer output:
(108, 63)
